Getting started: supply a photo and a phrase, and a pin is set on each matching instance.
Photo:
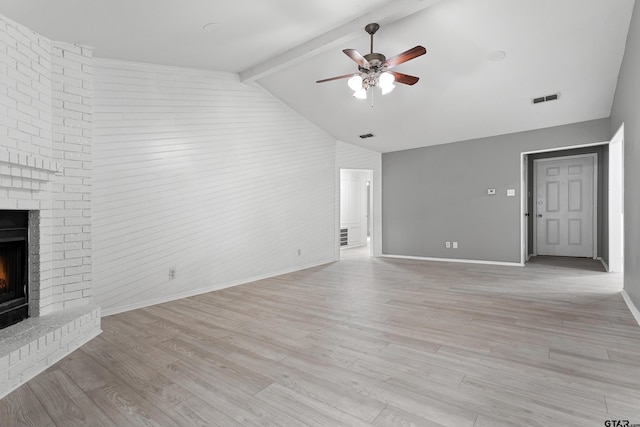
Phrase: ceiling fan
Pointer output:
(373, 68)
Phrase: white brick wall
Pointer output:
(72, 127)
(25, 87)
(45, 167)
(31, 346)
(45, 158)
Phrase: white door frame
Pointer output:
(524, 199)
(616, 202)
(594, 248)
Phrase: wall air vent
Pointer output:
(366, 135)
(344, 236)
(545, 98)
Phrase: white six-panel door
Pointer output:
(564, 206)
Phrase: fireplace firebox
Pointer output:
(14, 299)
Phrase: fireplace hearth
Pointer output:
(14, 303)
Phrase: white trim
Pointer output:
(596, 166)
(616, 201)
(594, 231)
(524, 207)
(569, 147)
(359, 245)
(604, 264)
(466, 261)
(121, 309)
(634, 310)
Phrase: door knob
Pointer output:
(539, 215)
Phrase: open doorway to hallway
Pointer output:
(356, 210)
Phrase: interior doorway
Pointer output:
(529, 218)
(356, 209)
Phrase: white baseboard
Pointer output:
(465, 261)
(358, 245)
(604, 264)
(147, 303)
(634, 310)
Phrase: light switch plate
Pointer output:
(511, 192)
(491, 191)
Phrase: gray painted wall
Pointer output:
(439, 193)
(626, 109)
(602, 199)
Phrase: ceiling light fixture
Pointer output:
(361, 83)
(373, 69)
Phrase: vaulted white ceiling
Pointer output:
(573, 47)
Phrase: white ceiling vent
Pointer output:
(546, 98)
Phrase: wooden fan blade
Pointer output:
(357, 57)
(335, 78)
(405, 78)
(406, 56)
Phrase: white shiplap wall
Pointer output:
(198, 172)
(349, 156)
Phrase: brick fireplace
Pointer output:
(45, 172)
(14, 260)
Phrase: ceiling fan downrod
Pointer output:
(372, 29)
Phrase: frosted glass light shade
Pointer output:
(355, 83)
(385, 81)
(360, 93)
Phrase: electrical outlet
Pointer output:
(455, 245)
(172, 273)
(447, 245)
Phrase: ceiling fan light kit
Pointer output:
(373, 69)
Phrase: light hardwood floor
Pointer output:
(357, 343)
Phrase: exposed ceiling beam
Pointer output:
(386, 14)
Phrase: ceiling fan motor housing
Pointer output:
(376, 61)
(371, 72)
